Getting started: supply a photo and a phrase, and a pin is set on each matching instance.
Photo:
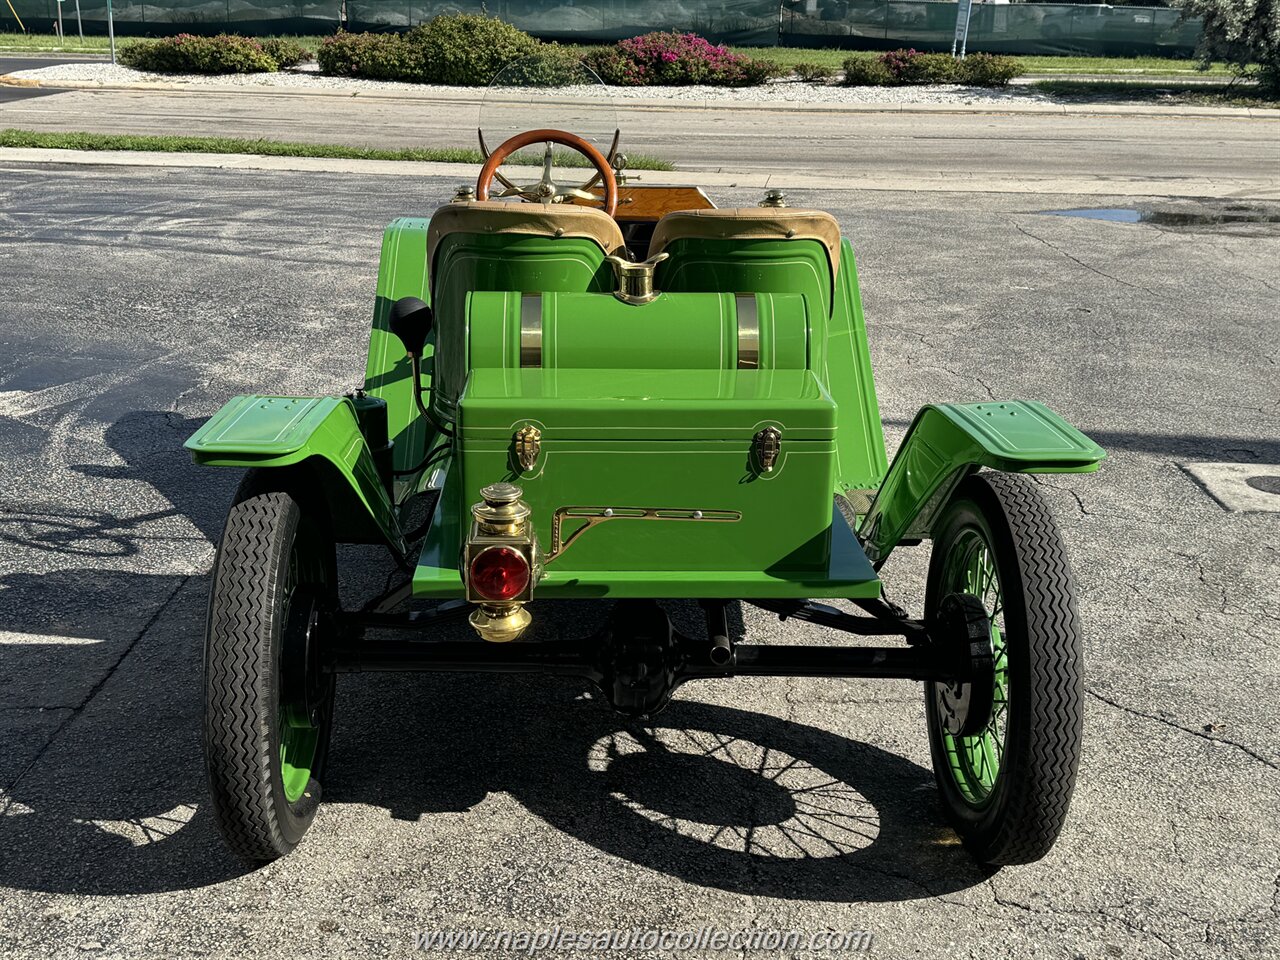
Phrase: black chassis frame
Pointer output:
(638, 659)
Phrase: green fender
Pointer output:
(317, 435)
(948, 441)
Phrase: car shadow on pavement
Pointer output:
(109, 797)
(115, 803)
(714, 795)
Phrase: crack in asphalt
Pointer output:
(8, 791)
(1076, 260)
(1142, 928)
(1177, 726)
(1094, 514)
(1202, 576)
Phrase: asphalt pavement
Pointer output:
(137, 300)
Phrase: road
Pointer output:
(1170, 153)
(138, 300)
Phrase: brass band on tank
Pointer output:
(531, 330)
(748, 332)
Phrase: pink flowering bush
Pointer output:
(675, 60)
(186, 53)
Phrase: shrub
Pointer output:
(677, 59)
(988, 70)
(286, 53)
(900, 67)
(913, 67)
(866, 72)
(468, 50)
(462, 50)
(225, 53)
(550, 65)
(812, 72)
(373, 56)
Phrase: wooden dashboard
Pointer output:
(644, 203)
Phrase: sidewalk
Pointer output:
(1101, 185)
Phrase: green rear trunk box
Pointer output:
(675, 439)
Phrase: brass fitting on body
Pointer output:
(635, 280)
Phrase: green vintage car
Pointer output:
(620, 392)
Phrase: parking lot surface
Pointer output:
(137, 301)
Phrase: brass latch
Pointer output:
(528, 444)
(635, 280)
(768, 444)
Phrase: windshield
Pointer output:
(541, 92)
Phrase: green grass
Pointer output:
(277, 148)
(48, 43)
(1204, 94)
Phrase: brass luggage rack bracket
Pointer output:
(594, 516)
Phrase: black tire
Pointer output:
(1021, 813)
(275, 562)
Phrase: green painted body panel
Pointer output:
(402, 272)
(846, 573)
(678, 331)
(838, 352)
(261, 431)
(947, 441)
(629, 404)
(679, 439)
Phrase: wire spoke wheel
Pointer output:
(974, 761)
(300, 723)
(1006, 787)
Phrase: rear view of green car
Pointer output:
(621, 392)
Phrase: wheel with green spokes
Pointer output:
(268, 701)
(1006, 788)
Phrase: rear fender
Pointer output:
(946, 442)
(318, 440)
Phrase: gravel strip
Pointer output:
(784, 91)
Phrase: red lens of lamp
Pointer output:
(499, 573)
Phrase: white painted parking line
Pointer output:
(1240, 487)
(11, 638)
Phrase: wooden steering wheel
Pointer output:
(546, 190)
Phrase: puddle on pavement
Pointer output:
(1200, 217)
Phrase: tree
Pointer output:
(1245, 33)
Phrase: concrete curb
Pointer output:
(470, 95)
(1238, 188)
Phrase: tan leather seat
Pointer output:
(729, 251)
(749, 223)
(524, 219)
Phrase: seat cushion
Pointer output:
(755, 249)
(524, 219)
